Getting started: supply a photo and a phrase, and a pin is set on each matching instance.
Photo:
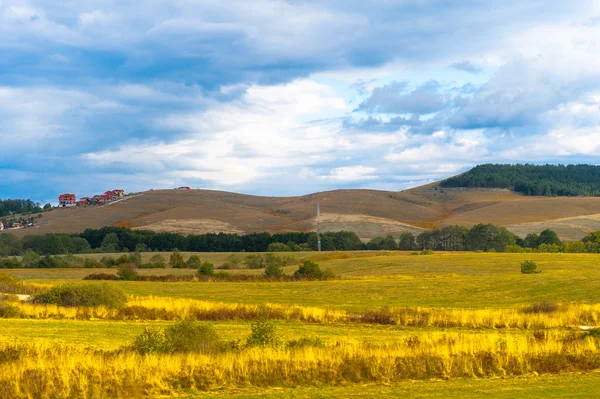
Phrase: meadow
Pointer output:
(393, 324)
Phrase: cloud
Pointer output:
(394, 98)
(467, 66)
(350, 174)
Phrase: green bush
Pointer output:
(273, 265)
(187, 336)
(151, 340)
(542, 307)
(193, 262)
(84, 295)
(278, 247)
(305, 342)
(308, 269)
(529, 267)
(255, 261)
(157, 261)
(264, 332)
(176, 260)
(206, 269)
(127, 272)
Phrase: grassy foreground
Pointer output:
(454, 325)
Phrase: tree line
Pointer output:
(481, 237)
(538, 180)
(19, 206)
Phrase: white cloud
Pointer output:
(350, 174)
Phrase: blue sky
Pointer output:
(289, 97)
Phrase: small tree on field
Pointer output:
(308, 268)
(193, 262)
(263, 330)
(127, 272)
(273, 265)
(529, 267)
(176, 260)
(255, 261)
(206, 269)
(157, 261)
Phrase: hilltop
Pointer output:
(369, 213)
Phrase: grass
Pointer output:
(465, 319)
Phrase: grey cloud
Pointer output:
(466, 66)
(395, 99)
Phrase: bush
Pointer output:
(278, 247)
(206, 269)
(264, 332)
(273, 265)
(305, 342)
(427, 252)
(187, 336)
(308, 268)
(8, 311)
(108, 261)
(193, 262)
(157, 261)
(255, 261)
(529, 267)
(151, 340)
(542, 307)
(92, 264)
(176, 260)
(84, 295)
(127, 272)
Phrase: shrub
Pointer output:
(529, 267)
(233, 261)
(255, 261)
(84, 295)
(542, 307)
(264, 332)
(136, 258)
(157, 261)
(127, 272)
(151, 340)
(273, 265)
(108, 261)
(593, 333)
(308, 268)
(176, 260)
(122, 259)
(92, 264)
(206, 269)
(427, 252)
(8, 311)
(190, 336)
(278, 247)
(193, 262)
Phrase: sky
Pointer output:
(288, 97)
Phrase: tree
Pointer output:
(176, 260)
(206, 269)
(407, 242)
(255, 261)
(48, 207)
(549, 237)
(193, 262)
(308, 268)
(529, 267)
(279, 247)
(532, 240)
(110, 243)
(136, 258)
(127, 272)
(157, 261)
(31, 259)
(273, 265)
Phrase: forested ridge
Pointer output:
(538, 180)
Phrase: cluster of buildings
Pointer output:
(17, 224)
(70, 200)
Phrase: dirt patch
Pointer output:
(192, 226)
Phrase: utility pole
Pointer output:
(318, 227)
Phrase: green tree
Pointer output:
(407, 242)
(157, 261)
(31, 259)
(532, 240)
(206, 269)
(308, 268)
(255, 261)
(110, 243)
(193, 262)
(278, 247)
(176, 260)
(549, 237)
(273, 265)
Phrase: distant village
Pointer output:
(67, 200)
(70, 200)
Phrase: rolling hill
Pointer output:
(369, 213)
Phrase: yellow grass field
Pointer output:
(393, 324)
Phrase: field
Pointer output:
(368, 213)
(393, 325)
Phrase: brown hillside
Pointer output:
(369, 213)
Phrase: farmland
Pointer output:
(393, 324)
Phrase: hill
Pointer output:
(369, 213)
(547, 180)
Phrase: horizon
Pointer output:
(284, 98)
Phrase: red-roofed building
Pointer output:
(67, 200)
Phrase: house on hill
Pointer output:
(67, 200)
(85, 201)
(184, 188)
(119, 193)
